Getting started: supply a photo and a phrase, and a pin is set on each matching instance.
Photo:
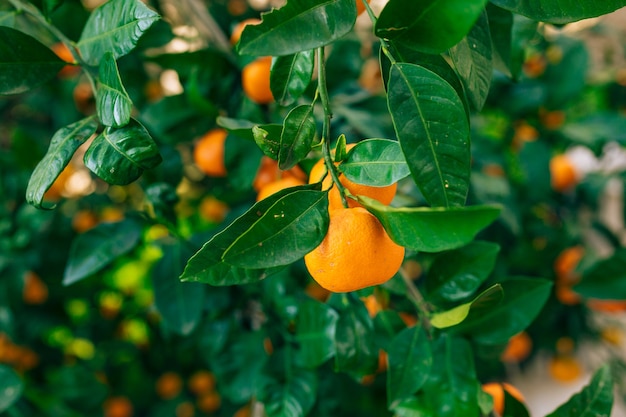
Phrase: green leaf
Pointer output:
(299, 25)
(456, 315)
(114, 27)
(355, 347)
(268, 138)
(513, 407)
(457, 274)
(179, 304)
(375, 162)
(120, 155)
(113, 103)
(299, 131)
(25, 62)
(410, 360)
(7, 19)
(244, 128)
(315, 329)
(560, 11)
(430, 26)
(98, 247)
(208, 266)
(293, 397)
(10, 387)
(606, 279)
(472, 58)
(595, 399)
(433, 130)
(63, 144)
(291, 75)
(426, 229)
(523, 300)
(500, 27)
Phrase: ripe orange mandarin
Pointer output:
(208, 154)
(355, 253)
(255, 80)
(236, 33)
(276, 186)
(496, 390)
(169, 385)
(563, 175)
(518, 348)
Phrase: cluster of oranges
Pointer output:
(201, 385)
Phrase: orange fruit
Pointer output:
(57, 189)
(534, 66)
(496, 390)
(201, 382)
(209, 402)
(84, 220)
(566, 262)
(208, 153)
(35, 290)
(607, 306)
(276, 186)
(360, 7)
(565, 368)
(169, 385)
(612, 335)
(84, 99)
(269, 172)
(65, 54)
(118, 407)
(383, 194)
(563, 175)
(213, 209)
(552, 119)
(315, 291)
(409, 320)
(255, 80)
(372, 305)
(243, 412)
(239, 27)
(518, 348)
(355, 253)
(566, 295)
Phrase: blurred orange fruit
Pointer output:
(607, 306)
(269, 172)
(277, 186)
(118, 407)
(208, 154)
(201, 382)
(566, 295)
(169, 385)
(84, 98)
(63, 52)
(552, 119)
(209, 402)
(496, 390)
(35, 291)
(317, 292)
(255, 80)
(517, 349)
(213, 209)
(56, 190)
(84, 220)
(534, 66)
(239, 27)
(563, 175)
(243, 412)
(409, 319)
(360, 7)
(566, 262)
(372, 305)
(565, 368)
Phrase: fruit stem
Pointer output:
(417, 298)
(323, 93)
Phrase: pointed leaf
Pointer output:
(457, 274)
(25, 62)
(62, 147)
(490, 297)
(113, 103)
(560, 11)
(355, 348)
(291, 75)
(98, 247)
(293, 397)
(299, 131)
(375, 162)
(244, 128)
(606, 279)
(315, 330)
(427, 229)
(114, 27)
(430, 26)
(472, 58)
(433, 130)
(179, 304)
(11, 387)
(300, 25)
(595, 399)
(268, 137)
(410, 360)
(120, 155)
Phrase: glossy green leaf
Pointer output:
(293, 397)
(410, 360)
(98, 247)
(267, 137)
(11, 387)
(428, 229)
(208, 265)
(113, 103)
(375, 162)
(114, 27)
(514, 407)
(455, 275)
(291, 75)
(472, 58)
(430, 26)
(315, 330)
(560, 11)
(299, 131)
(500, 27)
(523, 300)
(62, 147)
(594, 400)
(300, 25)
(433, 130)
(355, 347)
(25, 62)
(180, 304)
(606, 279)
(490, 297)
(120, 155)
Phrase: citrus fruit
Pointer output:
(566, 263)
(84, 220)
(517, 349)
(35, 290)
(496, 390)
(563, 175)
(607, 306)
(209, 402)
(360, 7)
(255, 80)
(276, 186)
(355, 253)
(239, 27)
(118, 407)
(565, 368)
(213, 209)
(201, 382)
(208, 153)
(383, 194)
(169, 385)
(269, 172)
(63, 52)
